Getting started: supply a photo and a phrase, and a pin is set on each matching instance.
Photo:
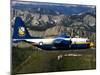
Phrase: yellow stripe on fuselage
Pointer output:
(80, 42)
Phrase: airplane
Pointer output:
(62, 41)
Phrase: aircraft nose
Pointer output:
(92, 44)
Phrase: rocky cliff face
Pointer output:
(83, 24)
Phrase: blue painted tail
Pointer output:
(19, 30)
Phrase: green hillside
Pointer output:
(28, 60)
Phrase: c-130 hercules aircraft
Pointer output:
(62, 41)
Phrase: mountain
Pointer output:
(51, 19)
(37, 21)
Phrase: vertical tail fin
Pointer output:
(19, 30)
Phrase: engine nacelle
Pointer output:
(61, 43)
